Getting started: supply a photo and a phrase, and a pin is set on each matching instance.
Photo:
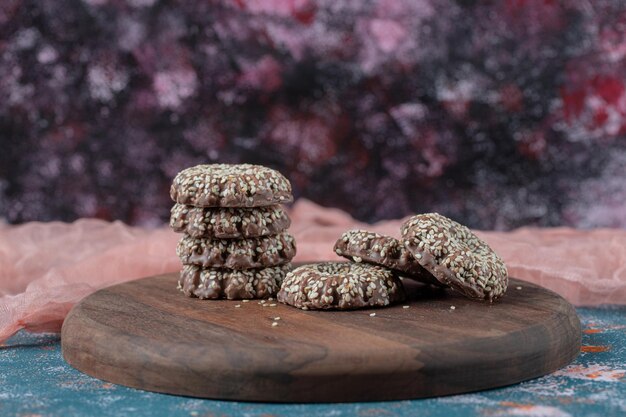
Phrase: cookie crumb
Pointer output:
(274, 324)
(372, 314)
(238, 305)
(452, 307)
(405, 306)
(518, 288)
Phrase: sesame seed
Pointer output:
(274, 324)
(276, 318)
(452, 307)
(238, 305)
(372, 314)
(245, 301)
(518, 288)
(273, 305)
(405, 306)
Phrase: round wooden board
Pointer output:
(147, 335)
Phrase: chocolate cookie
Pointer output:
(340, 285)
(214, 283)
(224, 185)
(228, 223)
(455, 256)
(237, 254)
(364, 246)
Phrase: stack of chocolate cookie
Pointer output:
(234, 243)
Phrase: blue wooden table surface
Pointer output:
(35, 381)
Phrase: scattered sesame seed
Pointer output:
(270, 299)
(405, 306)
(245, 301)
(372, 314)
(518, 288)
(273, 305)
(238, 305)
(276, 318)
(274, 324)
(452, 307)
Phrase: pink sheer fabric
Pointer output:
(45, 268)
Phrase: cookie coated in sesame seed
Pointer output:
(340, 286)
(237, 254)
(213, 283)
(225, 185)
(229, 223)
(365, 246)
(455, 256)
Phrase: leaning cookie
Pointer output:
(224, 185)
(364, 246)
(237, 254)
(455, 256)
(214, 283)
(229, 223)
(340, 285)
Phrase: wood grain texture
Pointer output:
(145, 334)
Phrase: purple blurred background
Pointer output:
(497, 113)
